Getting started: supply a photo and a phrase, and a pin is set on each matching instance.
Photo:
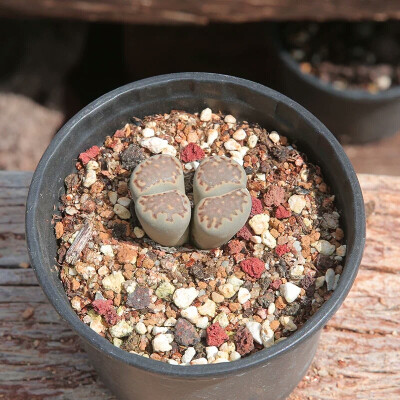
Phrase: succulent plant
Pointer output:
(222, 202)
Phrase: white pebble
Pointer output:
(107, 250)
(154, 144)
(268, 239)
(256, 239)
(274, 137)
(235, 282)
(188, 355)
(141, 328)
(184, 297)
(161, 343)
(255, 330)
(113, 282)
(113, 197)
(252, 141)
(170, 322)
(202, 323)
(289, 291)
(199, 361)
(222, 319)
(267, 335)
(259, 223)
(240, 134)
(191, 314)
(124, 201)
(212, 135)
(324, 247)
(138, 232)
(92, 165)
(172, 362)
(90, 178)
(232, 144)
(147, 132)
(271, 308)
(227, 290)
(208, 308)
(159, 329)
(383, 82)
(122, 211)
(330, 279)
(170, 150)
(243, 295)
(206, 115)
(211, 352)
(230, 119)
(341, 251)
(238, 160)
(234, 356)
(121, 329)
(297, 203)
(287, 323)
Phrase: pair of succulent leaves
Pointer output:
(222, 202)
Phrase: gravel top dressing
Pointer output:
(185, 305)
(363, 55)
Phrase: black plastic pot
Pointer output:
(353, 116)
(270, 374)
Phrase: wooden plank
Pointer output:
(358, 355)
(202, 12)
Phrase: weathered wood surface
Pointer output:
(202, 12)
(358, 356)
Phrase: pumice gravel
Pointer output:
(184, 305)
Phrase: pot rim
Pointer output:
(348, 94)
(311, 327)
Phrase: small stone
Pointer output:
(192, 137)
(132, 157)
(92, 165)
(268, 239)
(188, 355)
(252, 141)
(319, 282)
(324, 247)
(192, 152)
(169, 150)
(232, 144)
(253, 266)
(271, 309)
(161, 343)
(212, 135)
(113, 282)
(138, 232)
(148, 132)
(216, 335)
(211, 352)
(208, 308)
(297, 203)
(218, 298)
(185, 333)
(256, 239)
(274, 137)
(113, 197)
(124, 201)
(107, 250)
(155, 144)
(122, 211)
(234, 356)
(222, 319)
(170, 322)
(199, 361)
(287, 323)
(289, 291)
(202, 322)
(140, 298)
(191, 314)
(90, 178)
(230, 119)
(275, 196)
(235, 282)
(244, 341)
(259, 223)
(240, 134)
(267, 335)
(141, 328)
(165, 290)
(206, 115)
(243, 295)
(184, 297)
(227, 290)
(341, 251)
(330, 279)
(159, 329)
(121, 329)
(255, 330)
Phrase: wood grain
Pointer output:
(202, 12)
(358, 356)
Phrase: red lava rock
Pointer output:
(253, 266)
(244, 341)
(275, 284)
(106, 309)
(235, 246)
(192, 152)
(89, 154)
(244, 233)
(140, 298)
(185, 333)
(216, 335)
(282, 249)
(256, 207)
(275, 196)
(281, 212)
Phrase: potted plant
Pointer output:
(270, 373)
(345, 74)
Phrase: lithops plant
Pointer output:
(163, 209)
(223, 203)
